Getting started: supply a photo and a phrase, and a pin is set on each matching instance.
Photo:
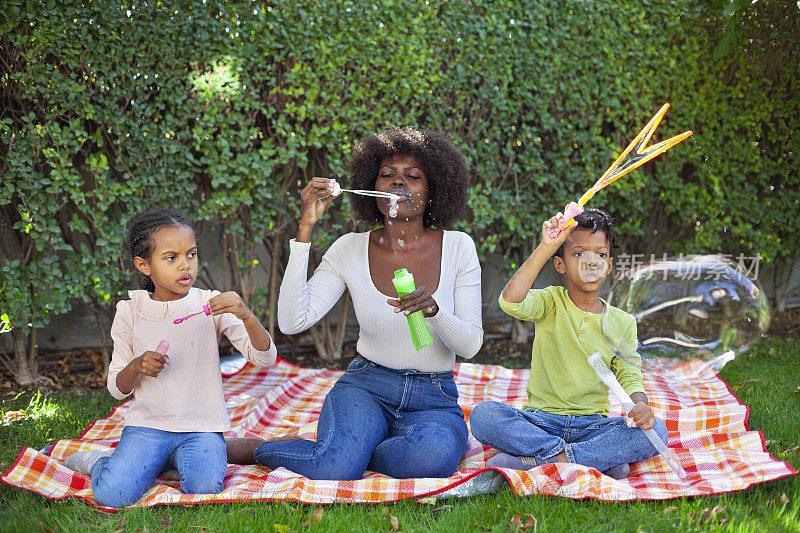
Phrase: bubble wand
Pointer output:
(206, 309)
(604, 373)
(642, 154)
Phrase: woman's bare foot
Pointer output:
(240, 450)
(288, 436)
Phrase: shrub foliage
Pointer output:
(224, 109)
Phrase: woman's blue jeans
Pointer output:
(402, 423)
(593, 440)
(143, 453)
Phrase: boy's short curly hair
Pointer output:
(595, 220)
(442, 162)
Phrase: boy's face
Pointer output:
(587, 260)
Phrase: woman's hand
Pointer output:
(420, 299)
(229, 302)
(313, 200)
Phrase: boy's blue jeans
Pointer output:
(592, 440)
(402, 423)
(143, 453)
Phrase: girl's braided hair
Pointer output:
(142, 229)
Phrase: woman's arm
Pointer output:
(462, 330)
(301, 303)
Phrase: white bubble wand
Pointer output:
(337, 189)
(599, 366)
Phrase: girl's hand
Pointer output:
(420, 299)
(314, 199)
(558, 240)
(229, 302)
(150, 364)
(641, 415)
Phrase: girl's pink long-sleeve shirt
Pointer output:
(186, 396)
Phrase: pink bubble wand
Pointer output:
(641, 155)
(206, 309)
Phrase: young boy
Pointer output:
(566, 416)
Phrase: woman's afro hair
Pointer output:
(441, 161)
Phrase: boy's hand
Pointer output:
(641, 416)
(554, 242)
(150, 364)
(229, 302)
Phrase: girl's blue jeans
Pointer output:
(592, 440)
(402, 423)
(143, 453)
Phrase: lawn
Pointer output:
(766, 379)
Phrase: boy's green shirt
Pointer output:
(561, 380)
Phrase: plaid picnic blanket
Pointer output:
(707, 430)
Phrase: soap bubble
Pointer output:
(702, 307)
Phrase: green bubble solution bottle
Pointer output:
(404, 283)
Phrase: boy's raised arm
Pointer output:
(521, 282)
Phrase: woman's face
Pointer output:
(403, 175)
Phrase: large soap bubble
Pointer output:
(699, 307)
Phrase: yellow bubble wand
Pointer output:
(641, 155)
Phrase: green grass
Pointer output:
(775, 410)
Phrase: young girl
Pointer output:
(177, 416)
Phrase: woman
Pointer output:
(394, 411)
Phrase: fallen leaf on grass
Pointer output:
(790, 451)
(165, 523)
(708, 515)
(440, 509)
(669, 509)
(784, 498)
(427, 501)
(395, 523)
(315, 517)
(281, 528)
(516, 522)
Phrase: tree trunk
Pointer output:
(519, 331)
(105, 346)
(320, 333)
(327, 339)
(22, 371)
(33, 351)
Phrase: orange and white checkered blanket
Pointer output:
(707, 430)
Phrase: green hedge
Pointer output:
(223, 108)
